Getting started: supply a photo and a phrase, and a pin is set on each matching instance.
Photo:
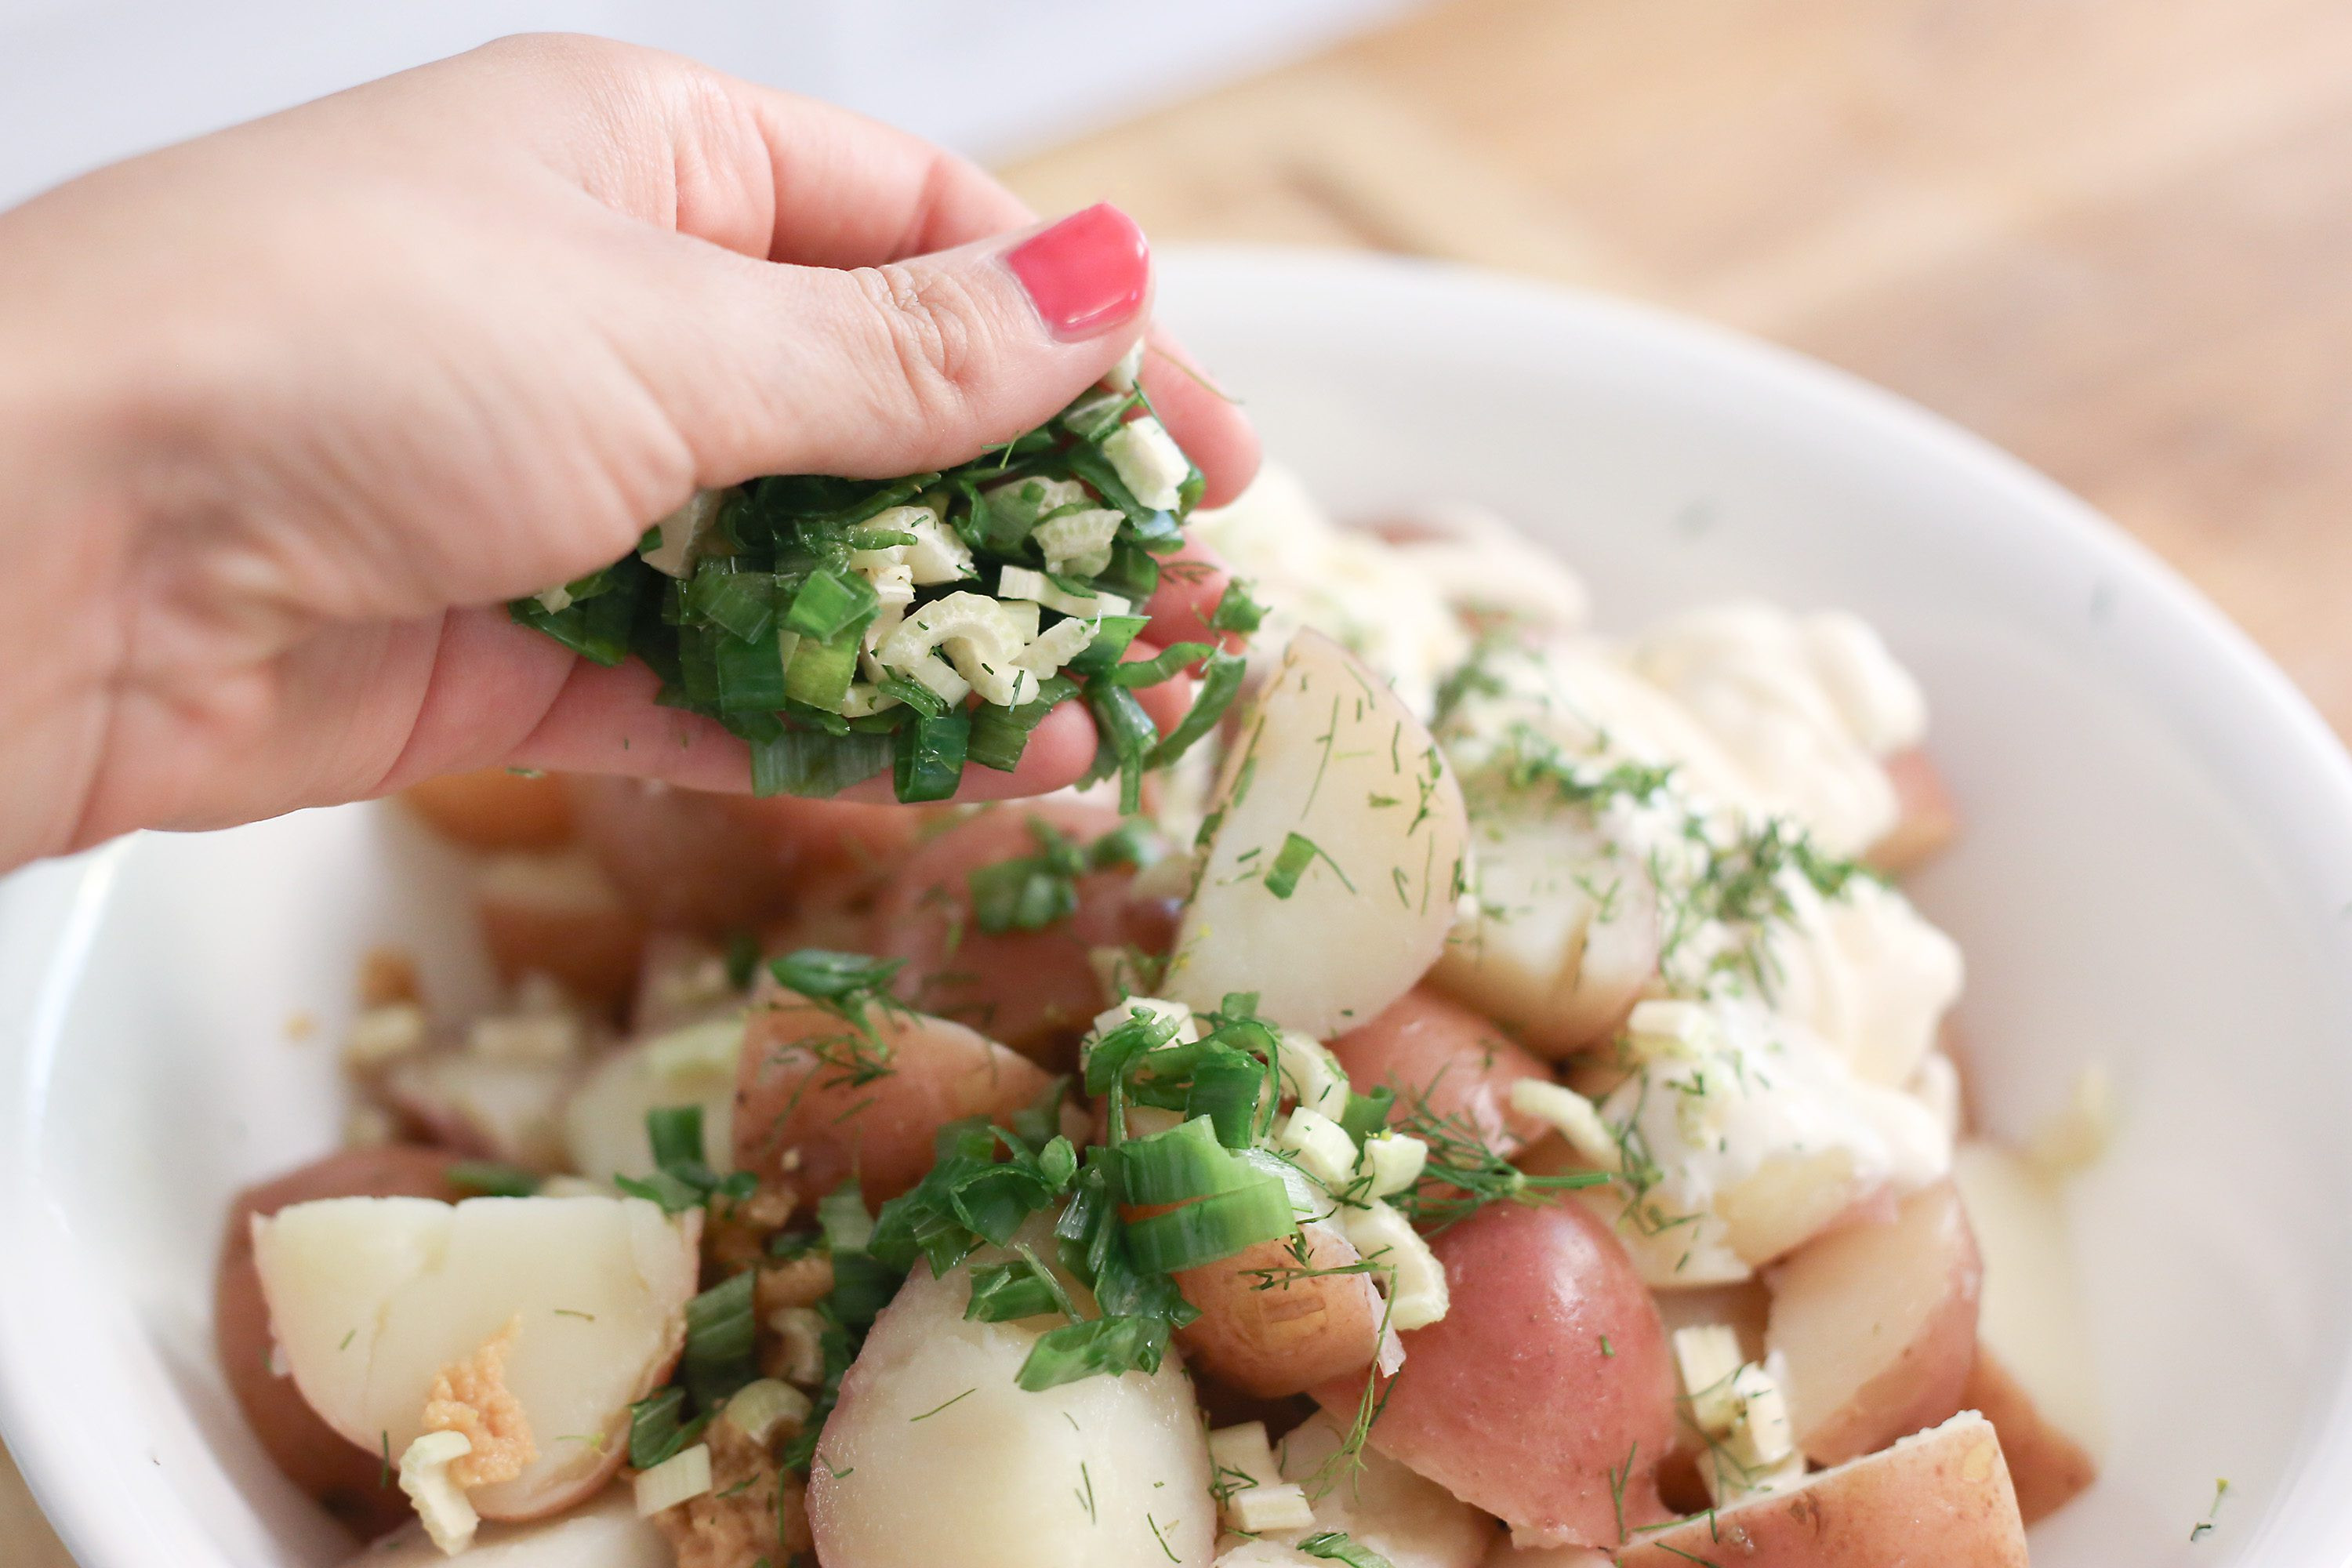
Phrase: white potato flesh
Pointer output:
(605, 1122)
(1380, 1504)
(1565, 939)
(1329, 758)
(607, 1535)
(369, 1298)
(935, 1455)
(2036, 1376)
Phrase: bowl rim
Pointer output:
(51, 912)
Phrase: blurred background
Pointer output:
(2111, 235)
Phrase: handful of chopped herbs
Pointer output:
(845, 627)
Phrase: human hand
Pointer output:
(288, 411)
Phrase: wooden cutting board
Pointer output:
(2114, 235)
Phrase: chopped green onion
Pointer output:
(742, 603)
(831, 603)
(1236, 611)
(915, 695)
(1020, 895)
(720, 1340)
(1166, 665)
(825, 975)
(1297, 853)
(1128, 733)
(929, 756)
(742, 958)
(673, 1194)
(1335, 1546)
(816, 765)
(489, 1179)
(1106, 1346)
(676, 1133)
(1000, 735)
(750, 674)
(1368, 1113)
(821, 669)
(657, 1433)
(1112, 635)
(1220, 681)
(1186, 1162)
(1216, 1227)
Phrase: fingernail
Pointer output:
(1087, 273)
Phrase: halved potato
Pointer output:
(604, 1120)
(935, 1455)
(1927, 818)
(1270, 1325)
(818, 1091)
(1441, 1057)
(1506, 1554)
(1336, 789)
(1377, 1503)
(1565, 939)
(1877, 1326)
(607, 1534)
(371, 1299)
(494, 808)
(1940, 1498)
(559, 914)
(347, 1481)
(2035, 1378)
(510, 1111)
(1545, 1396)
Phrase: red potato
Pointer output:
(1034, 990)
(1927, 818)
(2036, 1376)
(509, 1112)
(1437, 1053)
(1939, 1499)
(1381, 1506)
(1267, 1331)
(557, 914)
(495, 808)
(798, 1096)
(718, 863)
(1567, 937)
(1506, 1555)
(1876, 1325)
(1512, 1402)
(346, 1480)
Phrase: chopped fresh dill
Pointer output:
(935, 1409)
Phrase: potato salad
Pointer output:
(1484, 1099)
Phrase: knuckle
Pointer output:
(932, 333)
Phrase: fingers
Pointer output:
(1207, 421)
(1191, 581)
(877, 372)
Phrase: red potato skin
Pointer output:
(1271, 1340)
(1036, 991)
(1927, 817)
(593, 950)
(495, 808)
(1432, 1049)
(1510, 1402)
(2047, 1467)
(1941, 1499)
(719, 863)
(788, 1099)
(344, 1478)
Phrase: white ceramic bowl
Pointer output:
(2155, 875)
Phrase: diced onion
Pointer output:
(1320, 1146)
(1148, 461)
(763, 1408)
(1394, 1161)
(1260, 1509)
(681, 1478)
(1402, 1261)
(440, 1503)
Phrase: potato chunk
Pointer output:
(373, 1299)
(1335, 854)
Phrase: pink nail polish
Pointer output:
(1087, 273)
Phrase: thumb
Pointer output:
(874, 372)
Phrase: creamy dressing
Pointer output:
(1821, 1001)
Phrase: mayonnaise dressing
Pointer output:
(1819, 993)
